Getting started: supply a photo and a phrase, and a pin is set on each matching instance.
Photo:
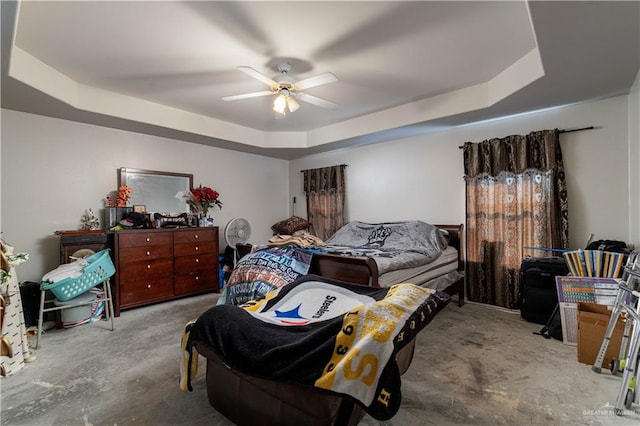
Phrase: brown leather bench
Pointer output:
(248, 400)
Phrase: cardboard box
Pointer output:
(593, 320)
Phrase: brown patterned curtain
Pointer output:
(324, 188)
(516, 197)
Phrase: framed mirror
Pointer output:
(156, 190)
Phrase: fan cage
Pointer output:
(237, 231)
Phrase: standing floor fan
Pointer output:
(237, 231)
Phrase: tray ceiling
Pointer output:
(402, 67)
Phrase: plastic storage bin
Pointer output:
(75, 314)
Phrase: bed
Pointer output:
(445, 273)
(251, 370)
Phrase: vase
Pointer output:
(204, 220)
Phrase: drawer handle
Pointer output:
(195, 236)
(148, 266)
(197, 260)
(197, 278)
(148, 285)
(197, 248)
(148, 253)
(148, 239)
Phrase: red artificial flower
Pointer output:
(202, 198)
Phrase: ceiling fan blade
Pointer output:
(314, 81)
(316, 101)
(247, 95)
(258, 76)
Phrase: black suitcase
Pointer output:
(538, 295)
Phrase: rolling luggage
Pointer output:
(538, 295)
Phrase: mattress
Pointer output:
(446, 263)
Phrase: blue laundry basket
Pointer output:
(99, 269)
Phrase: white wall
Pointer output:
(634, 163)
(422, 177)
(53, 170)
(415, 178)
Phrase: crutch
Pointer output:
(620, 305)
(627, 394)
(633, 283)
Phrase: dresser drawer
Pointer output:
(141, 254)
(190, 249)
(196, 282)
(145, 291)
(144, 238)
(136, 271)
(195, 235)
(198, 263)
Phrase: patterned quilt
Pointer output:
(261, 272)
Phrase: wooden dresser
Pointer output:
(155, 265)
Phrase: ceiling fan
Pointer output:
(287, 89)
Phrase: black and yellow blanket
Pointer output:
(318, 332)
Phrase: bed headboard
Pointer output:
(455, 240)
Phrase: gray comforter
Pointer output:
(393, 245)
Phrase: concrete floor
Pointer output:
(473, 365)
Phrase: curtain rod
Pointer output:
(343, 165)
(576, 130)
(562, 131)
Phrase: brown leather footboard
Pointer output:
(247, 400)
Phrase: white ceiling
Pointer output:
(402, 67)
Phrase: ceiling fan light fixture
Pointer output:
(287, 90)
(280, 104)
(292, 104)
